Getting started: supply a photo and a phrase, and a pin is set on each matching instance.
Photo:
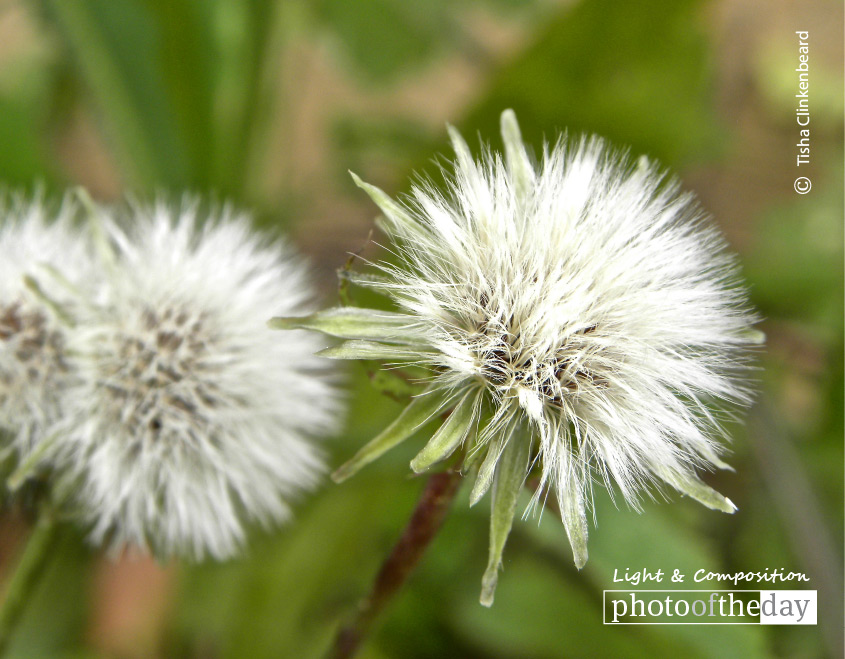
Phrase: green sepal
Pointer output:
(487, 470)
(450, 435)
(370, 350)
(473, 455)
(714, 458)
(462, 152)
(30, 465)
(354, 323)
(510, 475)
(519, 166)
(753, 336)
(387, 382)
(371, 280)
(63, 281)
(398, 216)
(694, 487)
(573, 514)
(421, 408)
(100, 239)
(35, 288)
(484, 478)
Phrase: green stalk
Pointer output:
(27, 576)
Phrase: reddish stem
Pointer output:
(423, 526)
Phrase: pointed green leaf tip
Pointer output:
(422, 408)
(713, 457)
(462, 152)
(355, 323)
(697, 489)
(574, 518)
(28, 467)
(510, 476)
(519, 166)
(400, 221)
(754, 336)
(35, 288)
(369, 350)
(450, 435)
(370, 280)
(486, 471)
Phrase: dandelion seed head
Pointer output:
(194, 420)
(42, 257)
(580, 313)
(597, 302)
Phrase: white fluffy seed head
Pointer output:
(43, 259)
(592, 304)
(193, 418)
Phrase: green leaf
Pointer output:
(451, 434)
(355, 323)
(247, 96)
(370, 350)
(422, 408)
(510, 476)
(104, 39)
(180, 85)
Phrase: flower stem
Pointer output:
(424, 524)
(26, 577)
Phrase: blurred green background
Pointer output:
(269, 104)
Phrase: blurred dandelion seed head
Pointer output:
(192, 419)
(44, 258)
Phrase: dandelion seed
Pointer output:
(579, 317)
(193, 419)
